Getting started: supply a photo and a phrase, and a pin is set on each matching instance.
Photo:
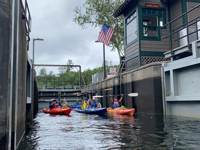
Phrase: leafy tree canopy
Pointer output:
(59, 80)
(99, 12)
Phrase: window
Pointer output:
(152, 19)
(131, 28)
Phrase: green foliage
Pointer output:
(43, 72)
(66, 77)
(99, 12)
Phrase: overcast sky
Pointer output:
(52, 20)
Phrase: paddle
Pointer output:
(77, 93)
(108, 89)
(130, 94)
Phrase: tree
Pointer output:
(43, 72)
(50, 74)
(98, 12)
(66, 69)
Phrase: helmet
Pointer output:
(85, 98)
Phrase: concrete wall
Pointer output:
(22, 70)
(5, 69)
(146, 81)
(13, 76)
(182, 83)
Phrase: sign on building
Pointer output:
(112, 70)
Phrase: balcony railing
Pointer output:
(184, 34)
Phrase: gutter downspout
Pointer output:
(163, 91)
(16, 43)
(11, 78)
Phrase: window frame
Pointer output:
(125, 25)
(158, 38)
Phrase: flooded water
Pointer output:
(80, 131)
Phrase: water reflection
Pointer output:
(80, 131)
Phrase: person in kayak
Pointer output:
(85, 104)
(52, 104)
(94, 103)
(58, 104)
(98, 103)
(116, 103)
(77, 103)
(64, 104)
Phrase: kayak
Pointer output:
(75, 106)
(58, 111)
(98, 111)
(121, 111)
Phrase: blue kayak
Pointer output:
(74, 106)
(98, 111)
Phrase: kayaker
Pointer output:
(65, 102)
(52, 104)
(116, 103)
(77, 103)
(85, 104)
(94, 103)
(58, 104)
(98, 103)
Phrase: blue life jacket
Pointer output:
(94, 104)
(77, 104)
(116, 104)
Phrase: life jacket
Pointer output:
(85, 105)
(54, 106)
(99, 105)
(116, 104)
(64, 106)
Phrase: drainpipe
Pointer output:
(16, 43)
(14, 76)
(163, 91)
(11, 78)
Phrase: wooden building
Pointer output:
(143, 20)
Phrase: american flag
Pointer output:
(105, 35)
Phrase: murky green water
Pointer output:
(79, 131)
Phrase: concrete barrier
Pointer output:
(145, 80)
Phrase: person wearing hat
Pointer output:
(85, 104)
(116, 103)
(94, 103)
(52, 104)
(77, 103)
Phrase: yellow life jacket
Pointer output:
(85, 105)
(64, 106)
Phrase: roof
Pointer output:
(122, 8)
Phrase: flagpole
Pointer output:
(104, 66)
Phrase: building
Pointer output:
(158, 30)
(143, 20)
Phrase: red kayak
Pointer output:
(58, 111)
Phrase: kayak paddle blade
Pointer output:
(97, 96)
(133, 94)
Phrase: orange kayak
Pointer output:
(58, 111)
(121, 111)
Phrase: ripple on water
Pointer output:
(80, 131)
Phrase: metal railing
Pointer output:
(174, 35)
(27, 16)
